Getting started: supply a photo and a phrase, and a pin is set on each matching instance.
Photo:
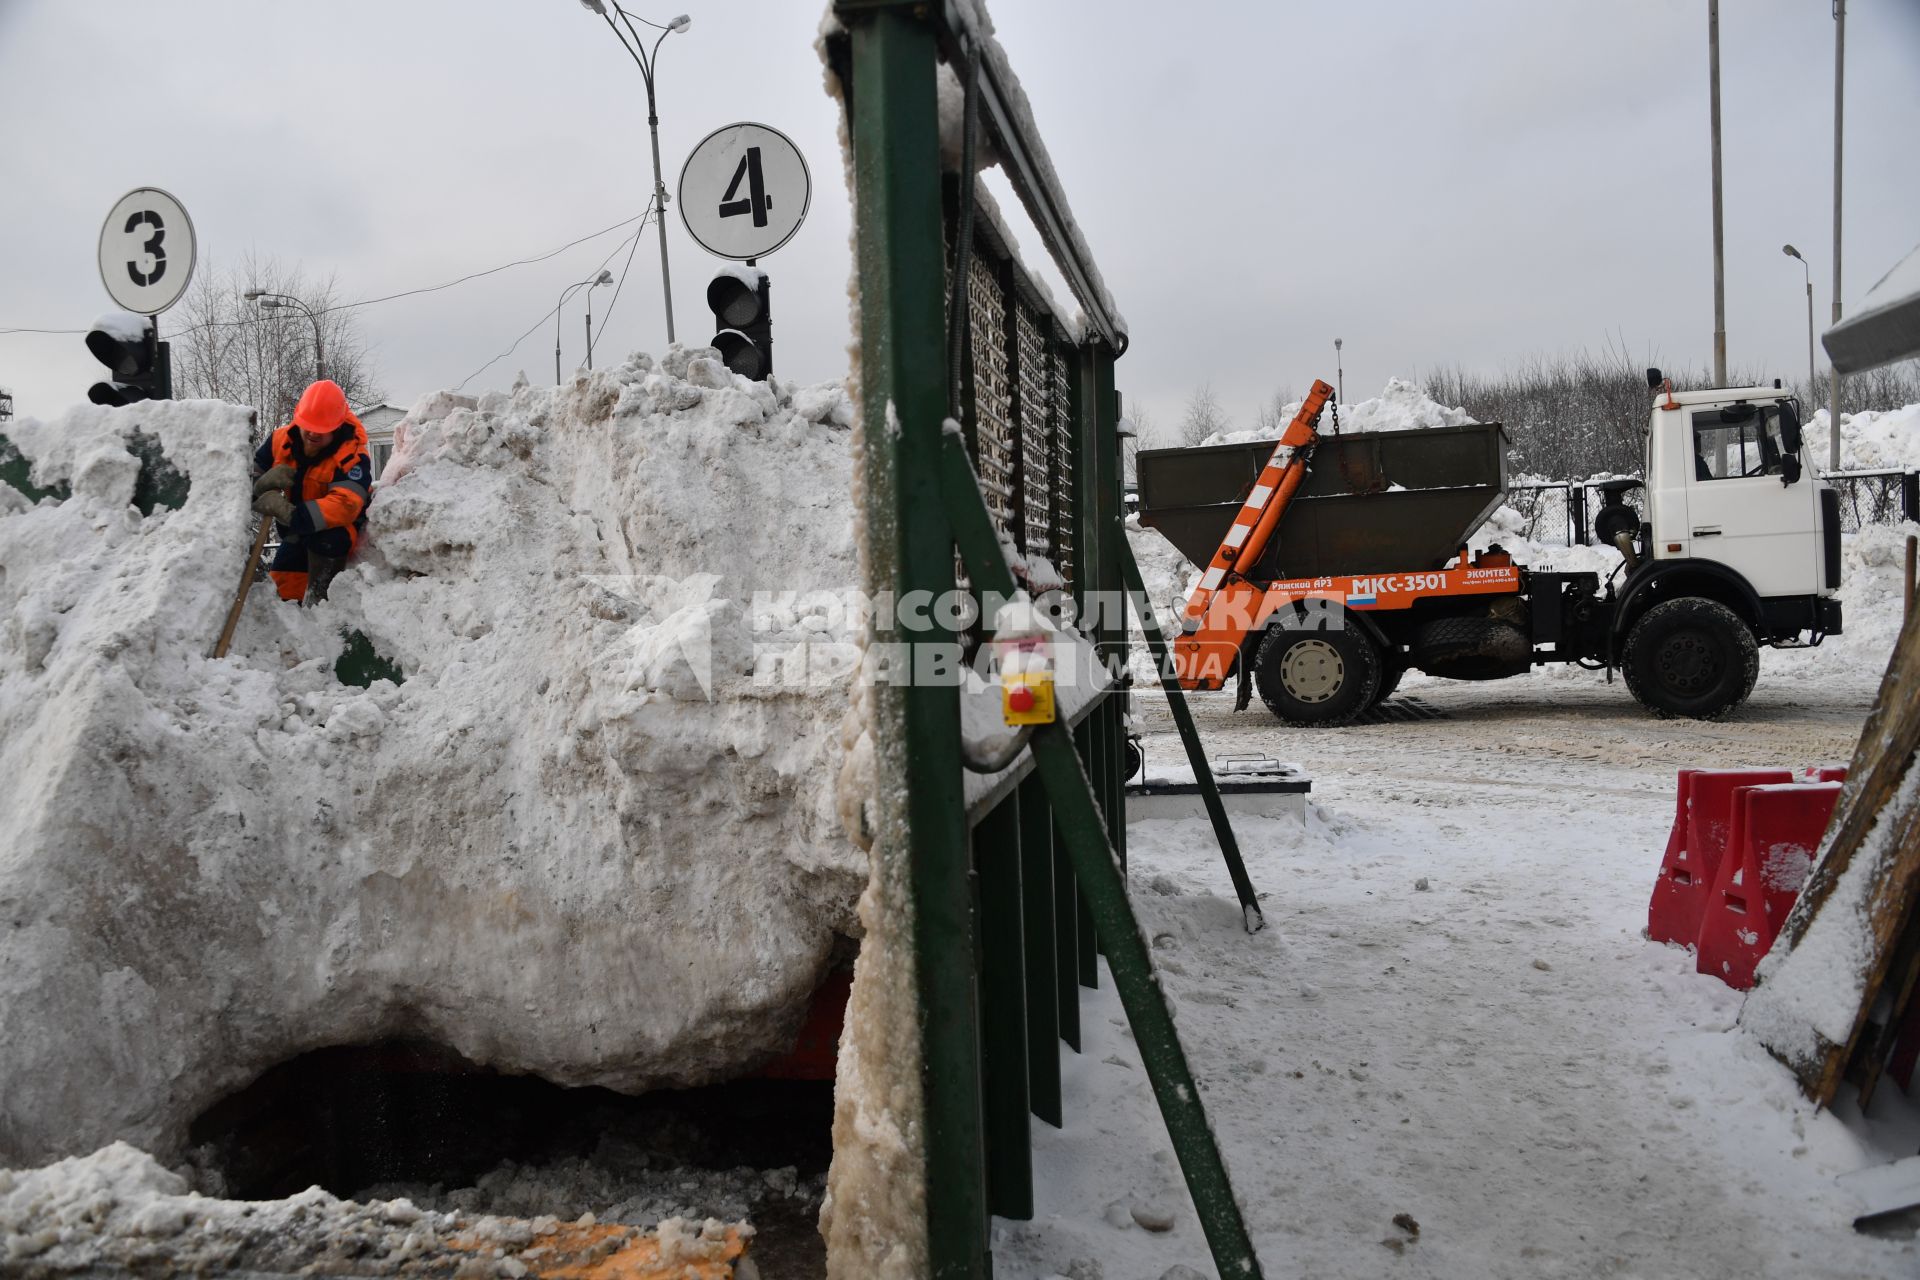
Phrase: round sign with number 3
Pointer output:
(146, 251)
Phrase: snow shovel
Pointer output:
(246, 585)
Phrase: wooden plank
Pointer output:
(1880, 764)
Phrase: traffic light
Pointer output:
(140, 366)
(738, 297)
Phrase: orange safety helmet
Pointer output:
(322, 408)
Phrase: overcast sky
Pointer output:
(1467, 183)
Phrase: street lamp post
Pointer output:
(1719, 239)
(1792, 252)
(283, 302)
(1339, 373)
(1839, 104)
(592, 282)
(645, 59)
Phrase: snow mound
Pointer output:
(119, 1208)
(581, 839)
(1402, 406)
(1869, 441)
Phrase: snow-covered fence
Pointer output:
(1882, 496)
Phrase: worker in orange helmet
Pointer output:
(312, 477)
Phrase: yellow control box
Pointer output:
(1026, 697)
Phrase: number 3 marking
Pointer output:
(147, 217)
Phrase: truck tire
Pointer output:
(1390, 674)
(1310, 678)
(1472, 649)
(1690, 657)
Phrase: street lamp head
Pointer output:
(1791, 252)
(252, 294)
(594, 6)
(605, 277)
(269, 304)
(1336, 344)
(680, 23)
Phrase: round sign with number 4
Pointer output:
(146, 251)
(744, 191)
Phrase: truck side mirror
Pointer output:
(1789, 470)
(1789, 427)
(1653, 379)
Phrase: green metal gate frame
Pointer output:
(1007, 899)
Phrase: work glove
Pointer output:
(276, 504)
(280, 477)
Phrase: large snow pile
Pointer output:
(1869, 440)
(1401, 406)
(581, 839)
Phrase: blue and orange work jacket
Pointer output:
(329, 491)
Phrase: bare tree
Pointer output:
(229, 348)
(1203, 417)
(1273, 416)
(1144, 429)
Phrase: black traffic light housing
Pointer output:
(141, 366)
(744, 318)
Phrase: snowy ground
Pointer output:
(1500, 1056)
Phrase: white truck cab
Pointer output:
(1725, 483)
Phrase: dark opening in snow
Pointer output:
(414, 1119)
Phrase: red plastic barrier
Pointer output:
(1771, 844)
(1826, 773)
(1702, 816)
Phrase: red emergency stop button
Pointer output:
(1019, 698)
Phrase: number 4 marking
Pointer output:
(758, 201)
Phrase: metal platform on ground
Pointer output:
(1260, 786)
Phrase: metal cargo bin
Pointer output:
(1373, 502)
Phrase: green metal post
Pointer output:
(1086, 958)
(1103, 887)
(916, 725)
(1003, 1010)
(1066, 941)
(1108, 516)
(1043, 995)
(1250, 912)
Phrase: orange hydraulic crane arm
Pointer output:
(1266, 502)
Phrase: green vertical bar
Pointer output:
(1003, 1010)
(1086, 959)
(1043, 993)
(1066, 943)
(916, 728)
(1109, 514)
(1250, 913)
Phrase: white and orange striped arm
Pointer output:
(1252, 528)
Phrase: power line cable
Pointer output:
(555, 308)
(405, 293)
(615, 301)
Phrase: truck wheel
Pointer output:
(1316, 677)
(1390, 674)
(1690, 657)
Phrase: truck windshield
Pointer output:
(1724, 450)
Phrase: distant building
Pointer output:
(379, 421)
(6, 405)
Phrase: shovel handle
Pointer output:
(246, 584)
